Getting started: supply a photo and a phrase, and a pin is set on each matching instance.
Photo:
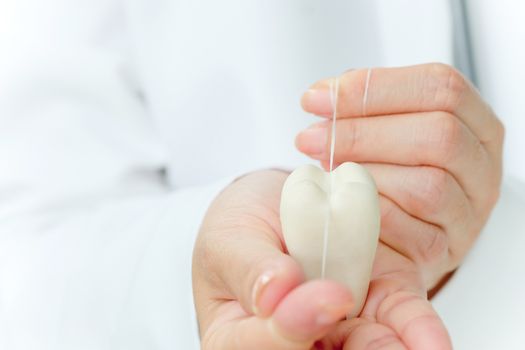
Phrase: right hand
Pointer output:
(250, 294)
(433, 146)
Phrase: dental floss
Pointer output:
(365, 95)
(334, 97)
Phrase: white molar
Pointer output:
(353, 205)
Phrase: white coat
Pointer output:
(121, 120)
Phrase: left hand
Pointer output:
(434, 148)
(249, 294)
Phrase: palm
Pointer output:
(232, 251)
(396, 314)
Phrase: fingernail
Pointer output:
(330, 314)
(317, 101)
(258, 290)
(313, 140)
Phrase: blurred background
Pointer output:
(489, 289)
(498, 38)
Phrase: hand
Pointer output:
(434, 148)
(250, 294)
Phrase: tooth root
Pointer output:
(354, 224)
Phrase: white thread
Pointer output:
(365, 95)
(334, 96)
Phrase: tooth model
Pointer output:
(331, 223)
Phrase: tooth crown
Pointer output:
(349, 196)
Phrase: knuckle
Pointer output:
(445, 86)
(499, 130)
(387, 210)
(446, 136)
(459, 223)
(349, 138)
(494, 196)
(431, 187)
(433, 246)
(479, 154)
(496, 127)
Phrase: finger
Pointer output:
(404, 321)
(306, 314)
(368, 335)
(434, 138)
(428, 244)
(428, 193)
(421, 88)
(414, 320)
(397, 300)
(427, 221)
(433, 196)
(424, 206)
(250, 266)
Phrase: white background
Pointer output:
(498, 31)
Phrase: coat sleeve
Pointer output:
(95, 246)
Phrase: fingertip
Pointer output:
(436, 337)
(317, 100)
(304, 315)
(312, 309)
(313, 140)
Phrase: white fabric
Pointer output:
(498, 32)
(121, 120)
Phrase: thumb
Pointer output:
(249, 266)
(305, 315)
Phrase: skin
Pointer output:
(434, 148)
